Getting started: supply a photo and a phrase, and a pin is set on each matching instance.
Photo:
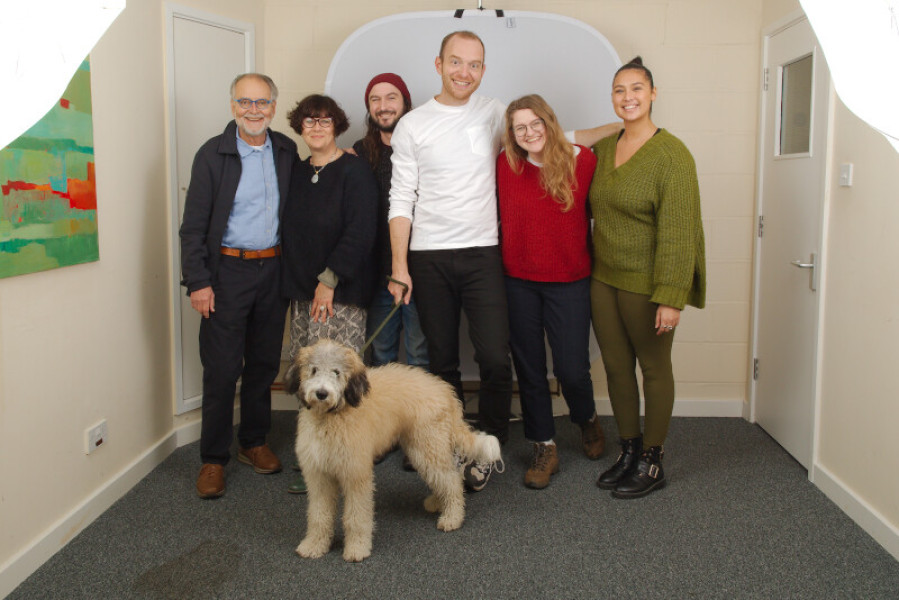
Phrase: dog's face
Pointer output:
(327, 376)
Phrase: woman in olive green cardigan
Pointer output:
(648, 263)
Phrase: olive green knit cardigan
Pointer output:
(647, 232)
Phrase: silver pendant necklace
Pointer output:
(317, 170)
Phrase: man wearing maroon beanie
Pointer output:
(387, 99)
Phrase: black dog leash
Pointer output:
(384, 322)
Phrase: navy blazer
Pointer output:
(210, 197)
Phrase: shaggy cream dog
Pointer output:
(354, 414)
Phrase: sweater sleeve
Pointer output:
(404, 181)
(676, 218)
(360, 201)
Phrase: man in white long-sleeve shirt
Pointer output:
(444, 233)
(443, 181)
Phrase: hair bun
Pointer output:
(637, 60)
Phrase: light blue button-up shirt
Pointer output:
(253, 224)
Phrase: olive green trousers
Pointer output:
(624, 324)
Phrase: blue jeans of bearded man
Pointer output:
(385, 348)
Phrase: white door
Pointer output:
(206, 52)
(793, 175)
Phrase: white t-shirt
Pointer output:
(444, 173)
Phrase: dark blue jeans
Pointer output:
(446, 282)
(561, 311)
(386, 347)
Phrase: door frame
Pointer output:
(176, 11)
(749, 411)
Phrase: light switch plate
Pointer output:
(846, 175)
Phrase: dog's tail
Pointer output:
(476, 445)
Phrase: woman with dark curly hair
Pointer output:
(328, 234)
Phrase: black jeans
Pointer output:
(446, 282)
(241, 339)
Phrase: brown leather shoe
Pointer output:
(593, 438)
(544, 465)
(261, 458)
(211, 481)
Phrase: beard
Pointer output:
(385, 128)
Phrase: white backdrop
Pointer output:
(564, 60)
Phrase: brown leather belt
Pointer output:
(252, 254)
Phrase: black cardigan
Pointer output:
(331, 224)
(210, 198)
(382, 173)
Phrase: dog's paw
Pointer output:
(447, 523)
(432, 505)
(356, 552)
(312, 548)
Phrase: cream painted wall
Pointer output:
(705, 58)
(774, 10)
(92, 342)
(859, 411)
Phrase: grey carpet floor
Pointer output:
(738, 520)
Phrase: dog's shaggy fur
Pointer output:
(354, 414)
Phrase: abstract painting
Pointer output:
(48, 196)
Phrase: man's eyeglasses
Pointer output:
(537, 126)
(246, 103)
(324, 122)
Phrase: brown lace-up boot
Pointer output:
(544, 465)
(593, 438)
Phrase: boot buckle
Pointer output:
(653, 471)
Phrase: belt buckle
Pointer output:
(242, 254)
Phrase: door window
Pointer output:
(796, 107)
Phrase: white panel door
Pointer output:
(793, 162)
(206, 52)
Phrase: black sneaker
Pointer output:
(476, 475)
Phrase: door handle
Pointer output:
(813, 274)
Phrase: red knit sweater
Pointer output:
(539, 241)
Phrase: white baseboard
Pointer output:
(866, 516)
(688, 407)
(683, 407)
(187, 434)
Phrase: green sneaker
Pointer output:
(298, 485)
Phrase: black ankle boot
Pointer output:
(648, 475)
(624, 466)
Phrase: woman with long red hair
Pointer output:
(542, 183)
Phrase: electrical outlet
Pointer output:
(95, 436)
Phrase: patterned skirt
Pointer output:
(347, 326)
